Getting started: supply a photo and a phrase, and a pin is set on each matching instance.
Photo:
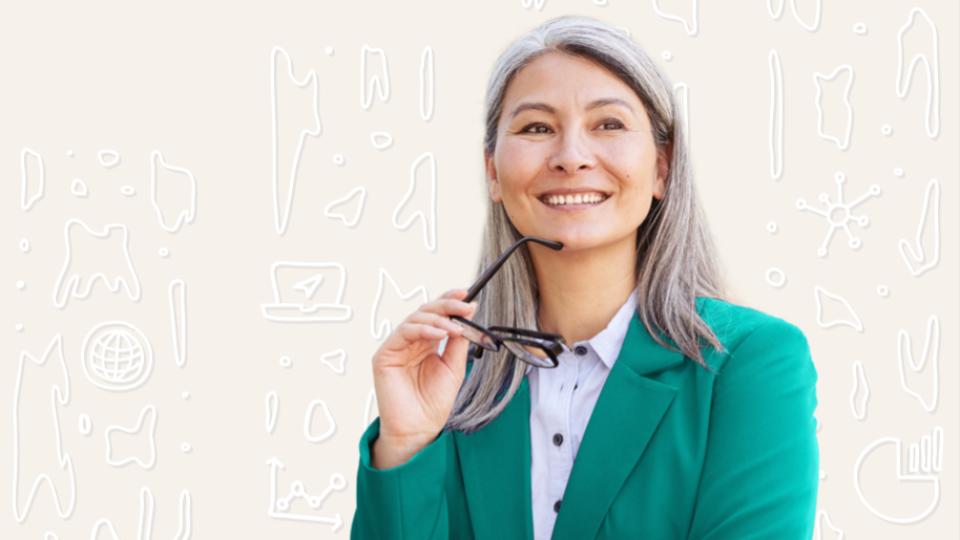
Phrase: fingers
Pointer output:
(450, 303)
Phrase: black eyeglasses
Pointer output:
(539, 349)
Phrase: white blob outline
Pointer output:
(817, 18)
(66, 287)
(108, 158)
(350, 223)
(818, 293)
(177, 298)
(427, 84)
(429, 223)
(381, 140)
(27, 200)
(690, 28)
(78, 188)
(340, 355)
(905, 356)
(272, 403)
(861, 388)
(377, 81)
(915, 259)
(776, 114)
(184, 215)
(308, 421)
(151, 431)
(817, 78)
(385, 326)
(933, 72)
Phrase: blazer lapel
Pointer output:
(627, 412)
(495, 462)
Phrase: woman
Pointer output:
(678, 441)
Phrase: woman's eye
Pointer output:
(613, 122)
(608, 122)
(535, 125)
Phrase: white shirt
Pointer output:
(561, 400)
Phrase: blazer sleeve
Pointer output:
(422, 498)
(761, 468)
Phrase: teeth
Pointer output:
(578, 198)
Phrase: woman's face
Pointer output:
(553, 138)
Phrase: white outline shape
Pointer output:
(84, 424)
(386, 326)
(378, 81)
(27, 201)
(691, 29)
(135, 430)
(57, 396)
(341, 311)
(793, 7)
(933, 72)
(272, 403)
(177, 296)
(108, 158)
(858, 405)
(817, 77)
(72, 283)
(78, 188)
(274, 512)
(381, 140)
(776, 114)
(308, 420)
(934, 461)
(853, 242)
(779, 281)
(427, 84)
(905, 355)
(819, 291)
(350, 223)
(931, 199)
(340, 355)
(537, 4)
(818, 528)
(147, 358)
(429, 225)
(281, 219)
(184, 215)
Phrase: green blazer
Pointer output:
(671, 451)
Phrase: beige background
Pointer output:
(192, 81)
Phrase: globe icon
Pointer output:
(117, 356)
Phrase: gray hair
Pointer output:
(675, 253)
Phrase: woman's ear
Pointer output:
(493, 183)
(664, 157)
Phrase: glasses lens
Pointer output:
(530, 354)
(475, 335)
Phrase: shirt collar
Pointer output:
(608, 342)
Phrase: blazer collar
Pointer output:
(496, 459)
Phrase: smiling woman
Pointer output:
(670, 412)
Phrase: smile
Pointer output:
(574, 202)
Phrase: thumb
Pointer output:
(455, 354)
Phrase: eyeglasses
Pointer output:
(536, 348)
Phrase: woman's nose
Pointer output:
(572, 153)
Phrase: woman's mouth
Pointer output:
(570, 203)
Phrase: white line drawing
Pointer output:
(924, 463)
(59, 397)
(127, 191)
(145, 522)
(145, 428)
(381, 140)
(308, 421)
(370, 410)
(537, 4)
(108, 158)
(84, 425)
(286, 362)
(281, 209)
(818, 78)
(335, 360)
(914, 254)
(185, 447)
(883, 291)
(930, 357)
(886, 129)
(692, 27)
(839, 214)
(860, 28)
(381, 329)
(932, 67)
(775, 277)
(428, 219)
(778, 12)
(860, 393)
(338, 160)
(24, 245)
(372, 79)
(681, 94)
(18, 327)
(272, 403)
(79, 188)
(853, 321)
(427, 84)
(297, 299)
(71, 283)
(776, 114)
(177, 295)
(360, 193)
(823, 520)
(31, 184)
(280, 508)
(116, 356)
(180, 189)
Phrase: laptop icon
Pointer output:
(307, 292)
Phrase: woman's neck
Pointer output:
(580, 291)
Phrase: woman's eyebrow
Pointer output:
(548, 108)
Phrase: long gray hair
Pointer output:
(675, 254)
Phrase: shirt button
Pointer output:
(557, 439)
(556, 506)
(580, 350)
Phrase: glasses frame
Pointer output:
(551, 344)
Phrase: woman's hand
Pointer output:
(415, 387)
